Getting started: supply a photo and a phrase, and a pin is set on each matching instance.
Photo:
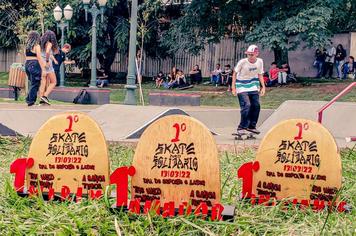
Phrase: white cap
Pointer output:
(252, 49)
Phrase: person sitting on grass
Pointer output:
(173, 80)
(216, 75)
(226, 77)
(266, 78)
(349, 69)
(283, 73)
(290, 77)
(159, 79)
(195, 75)
(181, 80)
(273, 75)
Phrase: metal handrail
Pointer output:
(341, 94)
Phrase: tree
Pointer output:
(277, 25)
(10, 13)
(288, 25)
(38, 15)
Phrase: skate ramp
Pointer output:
(26, 121)
(339, 119)
(5, 131)
(121, 122)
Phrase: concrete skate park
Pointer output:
(125, 124)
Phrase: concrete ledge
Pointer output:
(174, 99)
(7, 93)
(67, 94)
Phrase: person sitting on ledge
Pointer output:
(226, 77)
(102, 81)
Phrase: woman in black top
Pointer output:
(339, 59)
(34, 66)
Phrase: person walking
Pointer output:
(49, 46)
(60, 58)
(248, 85)
(34, 66)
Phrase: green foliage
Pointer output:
(285, 29)
(200, 24)
(10, 12)
(164, 30)
(276, 25)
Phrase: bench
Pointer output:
(67, 94)
(7, 93)
(174, 99)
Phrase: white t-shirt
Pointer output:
(247, 75)
(331, 52)
(217, 71)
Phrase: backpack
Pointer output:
(82, 98)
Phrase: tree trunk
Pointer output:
(280, 56)
(107, 60)
(42, 22)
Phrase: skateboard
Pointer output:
(244, 135)
(185, 87)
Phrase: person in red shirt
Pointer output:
(273, 75)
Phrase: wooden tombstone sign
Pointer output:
(69, 155)
(176, 160)
(297, 159)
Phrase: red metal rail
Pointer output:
(341, 94)
(351, 139)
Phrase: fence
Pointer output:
(226, 52)
(7, 57)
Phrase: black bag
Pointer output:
(82, 98)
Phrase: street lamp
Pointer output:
(94, 11)
(62, 24)
(130, 98)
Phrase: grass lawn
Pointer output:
(33, 216)
(306, 89)
(212, 96)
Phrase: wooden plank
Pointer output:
(176, 160)
(298, 159)
(353, 44)
(69, 150)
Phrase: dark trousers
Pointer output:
(328, 69)
(33, 71)
(58, 76)
(250, 109)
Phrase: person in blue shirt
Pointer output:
(60, 58)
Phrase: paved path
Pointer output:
(118, 121)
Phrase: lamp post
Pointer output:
(62, 24)
(94, 11)
(130, 98)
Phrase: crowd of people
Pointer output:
(177, 79)
(327, 59)
(220, 77)
(43, 61)
(278, 76)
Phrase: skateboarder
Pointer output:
(248, 85)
